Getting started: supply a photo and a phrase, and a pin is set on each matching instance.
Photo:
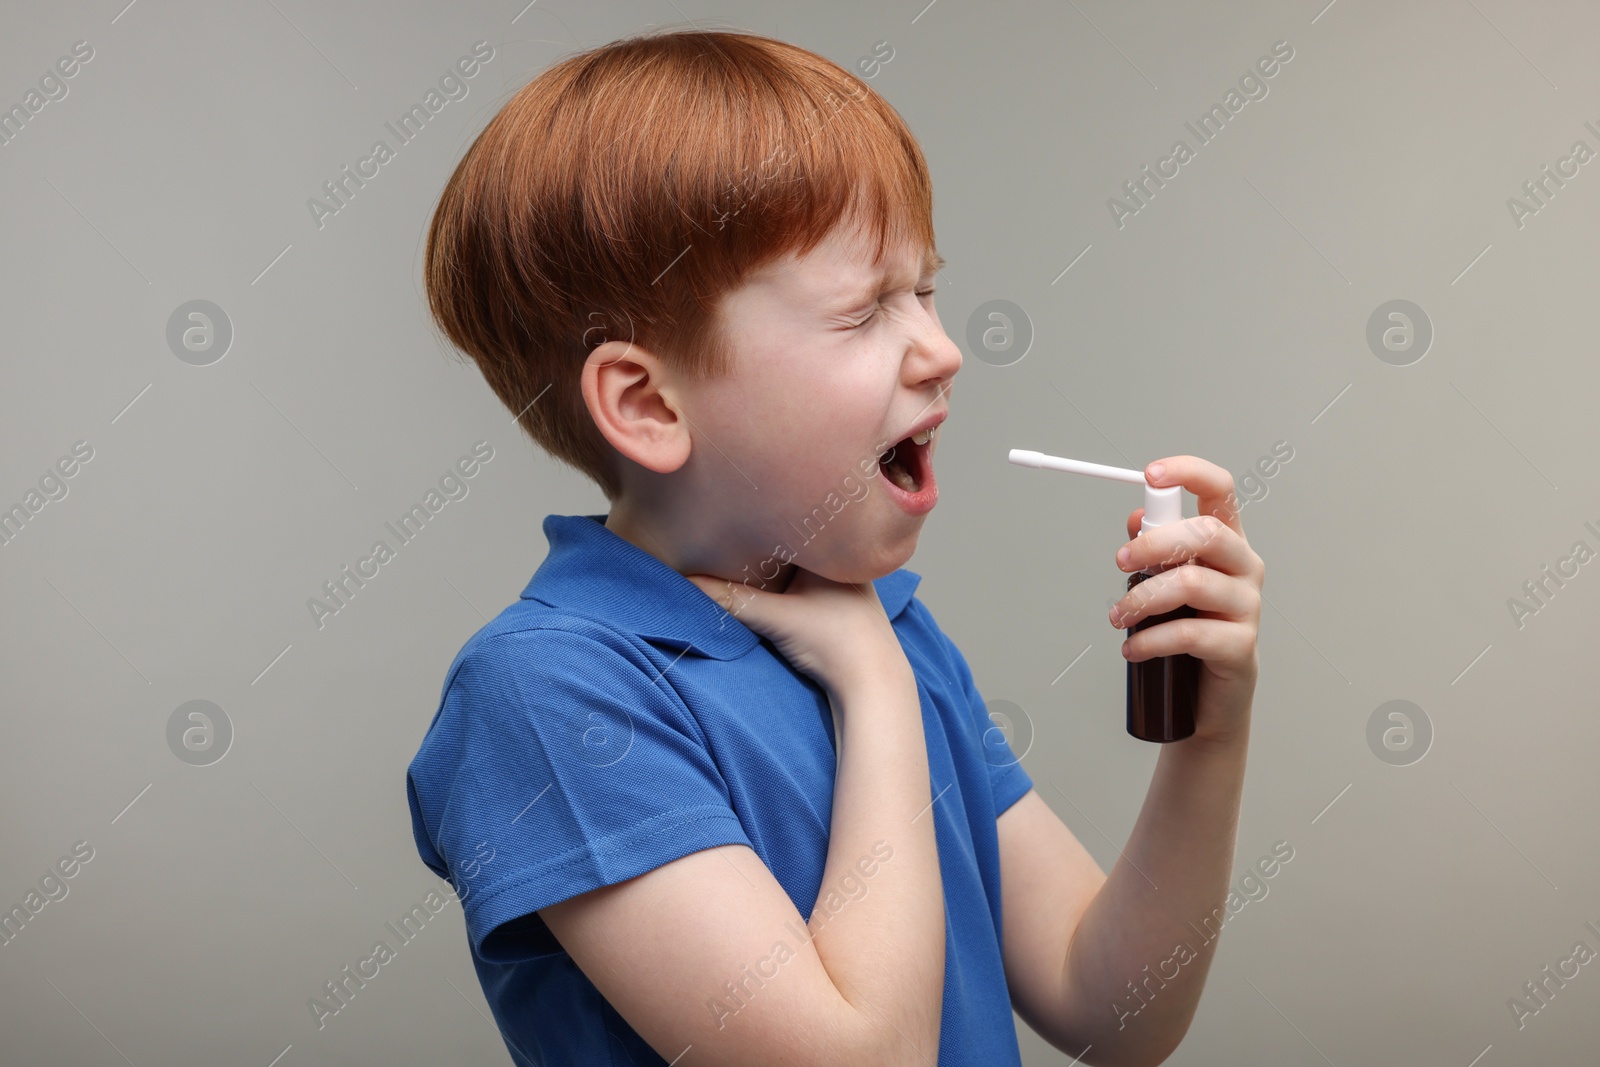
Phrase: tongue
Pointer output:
(897, 470)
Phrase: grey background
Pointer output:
(1229, 314)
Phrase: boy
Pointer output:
(717, 789)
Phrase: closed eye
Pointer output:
(874, 313)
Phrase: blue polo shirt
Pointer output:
(615, 718)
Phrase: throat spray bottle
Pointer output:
(1163, 690)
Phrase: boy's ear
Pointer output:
(631, 395)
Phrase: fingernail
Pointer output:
(1124, 554)
(1155, 471)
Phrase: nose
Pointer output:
(934, 356)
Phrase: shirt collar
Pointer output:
(594, 572)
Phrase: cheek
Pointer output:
(808, 421)
(737, 414)
(824, 452)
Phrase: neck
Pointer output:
(678, 540)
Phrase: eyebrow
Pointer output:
(931, 261)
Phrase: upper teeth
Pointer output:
(924, 437)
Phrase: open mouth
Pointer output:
(908, 471)
(906, 464)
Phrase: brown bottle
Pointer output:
(1162, 691)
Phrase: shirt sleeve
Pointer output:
(996, 730)
(995, 733)
(559, 763)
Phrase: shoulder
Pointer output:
(896, 590)
(535, 672)
(912, 621)
(542, 684)
(932, 653)
(533, 640)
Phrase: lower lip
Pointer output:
(922, 501)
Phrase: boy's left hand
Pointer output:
(1223, 584)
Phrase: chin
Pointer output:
(869, 567)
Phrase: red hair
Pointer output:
(622, 192)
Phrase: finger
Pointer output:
(1135, 520)
(1212, 593)
(1214, 640)
(1211, 485)
(1201, 537)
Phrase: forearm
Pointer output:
(1138, 961)
(881, 935)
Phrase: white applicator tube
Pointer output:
(1162, 690)
(1161, 506)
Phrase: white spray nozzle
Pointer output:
(1161, 505)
